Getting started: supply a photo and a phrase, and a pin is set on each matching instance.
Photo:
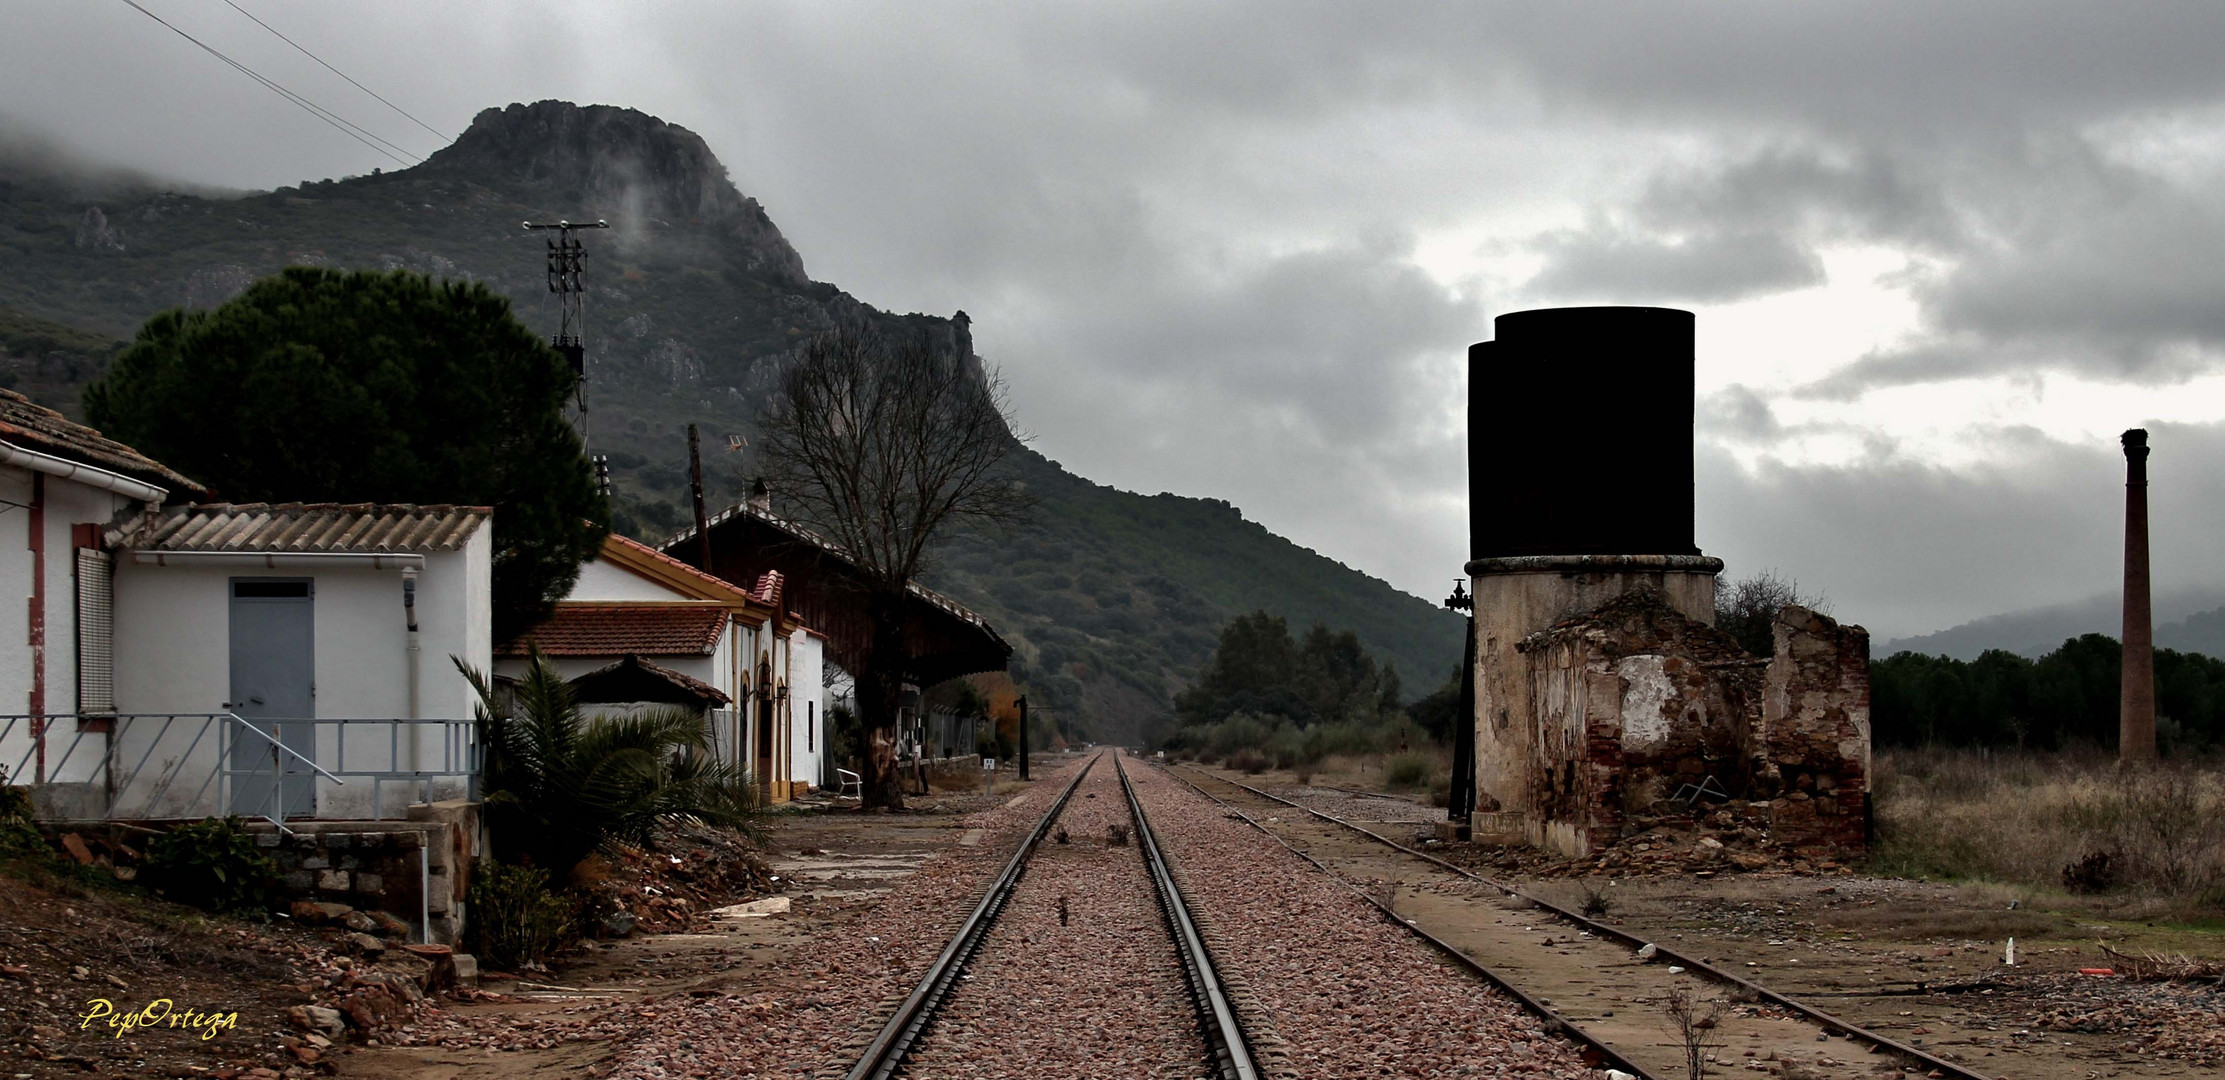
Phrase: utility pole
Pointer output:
(567, 264)
(695, 491)
(1023, 736)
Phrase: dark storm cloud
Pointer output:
(1714, 267)
(1739, 413)
(1189, 232)
(1751, 227)
(1908, 547)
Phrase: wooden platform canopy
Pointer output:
(818, 584)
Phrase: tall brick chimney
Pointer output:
(2136, 703)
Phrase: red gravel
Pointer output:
(1342, 992)
(1102, 996)
(861, 968)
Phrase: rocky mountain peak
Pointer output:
(616, 163)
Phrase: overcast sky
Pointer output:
(1941, 253)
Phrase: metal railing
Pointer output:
(166, 766)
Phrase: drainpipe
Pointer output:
(35, 623)
(409, 612)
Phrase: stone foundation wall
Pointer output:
(376, 865)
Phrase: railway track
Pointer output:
(1218, 1044)
(1492, 928)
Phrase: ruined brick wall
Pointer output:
(1813, 750)
(1634, 701)
(1517, 597)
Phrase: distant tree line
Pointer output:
(1261, 670)
(2066, 697)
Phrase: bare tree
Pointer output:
(881, 446)
(1747, 609)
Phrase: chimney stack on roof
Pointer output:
(2136, 701)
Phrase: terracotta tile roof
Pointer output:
(592, 629)
(36, 427)
(769, 587)
(687, 684)
(708, 586)
(290, 528)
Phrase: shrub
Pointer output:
(19, 834)
(2167, 824)
(2090, 875)
(1249, 761)
(211, 864)
(1323, 740)
(1240, 732)
(515, 919)
(2044, 819)
(560, 785)
(1287, 748)
(1406, 771)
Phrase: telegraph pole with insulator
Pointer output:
(567, 265)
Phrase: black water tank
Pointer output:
(1580, 433)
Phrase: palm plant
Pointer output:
(560, 785)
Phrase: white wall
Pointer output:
(807, 705)
(66, 504)
(173, 635)
(599, 580)
(173, 655)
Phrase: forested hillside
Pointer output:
(695, 301)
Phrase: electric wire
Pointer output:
(352, 131)
(336, 71)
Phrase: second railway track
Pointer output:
(1572, 969)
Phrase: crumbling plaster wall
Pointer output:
(1521, 595)
(1633, 701)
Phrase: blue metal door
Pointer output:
(274, 691)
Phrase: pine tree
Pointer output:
(316, 385)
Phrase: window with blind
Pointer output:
(96, 623)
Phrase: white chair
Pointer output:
(852, 785)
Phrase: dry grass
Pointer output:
(2023, 818)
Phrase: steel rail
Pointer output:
(885, 1055)
(1555, 1023)
(1824, 1020)
(1224, 1036)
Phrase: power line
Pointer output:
(328, 116)
(336, 71)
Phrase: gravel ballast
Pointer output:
(1101, 996)
(855, 973)
(1330, 988)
